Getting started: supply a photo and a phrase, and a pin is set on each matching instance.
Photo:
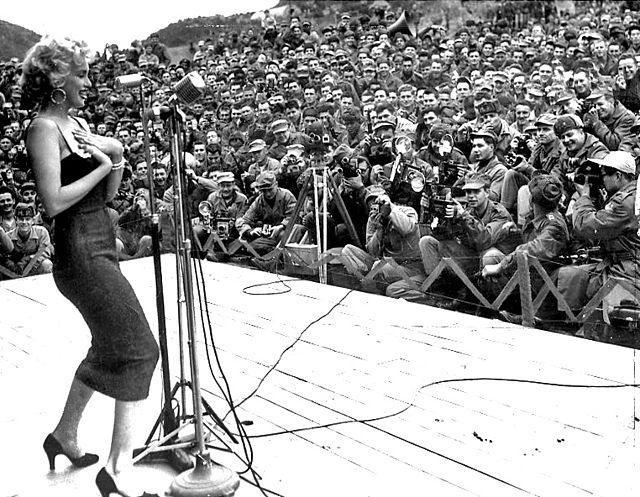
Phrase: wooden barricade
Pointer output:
(600, 295)
(8, 273)
(521, 279)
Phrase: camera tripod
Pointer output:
(322, 183)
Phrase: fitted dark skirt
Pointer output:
(123, 353)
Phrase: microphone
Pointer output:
(130, 80)
(158, 112)
(188, 89)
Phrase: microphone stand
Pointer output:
(207, 477)
(176, 457)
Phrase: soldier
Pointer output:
(29, 242)
(609, 121)
(545, 235)
(485, 161)
(484, 229)
(578, 147)
(615, 228)
(268, 216)
(544, 157)
(392, 232)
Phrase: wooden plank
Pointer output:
(368, 357)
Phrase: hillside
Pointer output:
(15, 40)
(321, 12)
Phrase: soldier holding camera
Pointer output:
(377, 147)
(544, 157)
(578, 147)
(269, 214)
(615, 228)
(392, 232)
(485, 227)
(220, 212)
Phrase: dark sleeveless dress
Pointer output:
(123, 353)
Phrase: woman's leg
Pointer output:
(67, 430)
(119, 464)
(122, 438)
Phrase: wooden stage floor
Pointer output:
(367, 364)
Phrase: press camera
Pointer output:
(222, 226)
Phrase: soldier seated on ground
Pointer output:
(133, 231)
(32, 248)
(265, 221)
(225, 206)
(615, 229)
(392, 232)
(545, 236)
(475, 236)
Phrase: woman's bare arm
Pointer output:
(44, 152)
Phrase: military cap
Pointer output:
(257, 145)
(546, 190)
(28, 185)
(546, 120)
(475, 181)
(226, 177)
(566, 123)
(486, 134)
(373, 191)
(25, 210)
(279, 125)
(266, 180)
(619, 160)
(383, 124)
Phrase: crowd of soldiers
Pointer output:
(474, 144)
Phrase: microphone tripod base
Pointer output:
(206, 479)
(179, 459)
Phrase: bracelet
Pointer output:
(119, 165)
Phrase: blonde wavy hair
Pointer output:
(47, 65)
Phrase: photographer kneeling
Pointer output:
(224, 207)
(392, 231)
(615, 228)
(477, 236)
(267, 217)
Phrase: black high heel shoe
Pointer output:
(52, 447)
(106, 485)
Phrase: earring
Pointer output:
(58, 96)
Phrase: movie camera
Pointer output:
(588, 172)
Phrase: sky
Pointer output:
(115, 21)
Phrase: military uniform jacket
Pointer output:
(398, 238)
(483, 231)
(38, 239)
(496, 171)
(615, 227)
(545, 160)
(234, 210)
(615, 133)
(545, 237)
(261, 212)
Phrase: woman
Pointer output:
(76, 174)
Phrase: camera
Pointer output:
(223, 227)
(588, 172)
(349, 167)
(448, 173)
